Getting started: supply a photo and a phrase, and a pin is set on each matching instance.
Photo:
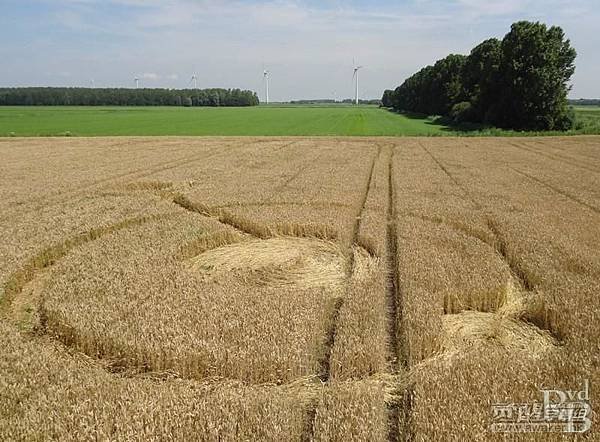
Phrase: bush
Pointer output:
(462, 112)
(568, 120)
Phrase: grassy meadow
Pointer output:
(264, 120)
(252, 121)
(589, 118)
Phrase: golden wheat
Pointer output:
(293, 288)
(533, 334)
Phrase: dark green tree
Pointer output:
(446, 88)
(520, 82)
(481, 78)
(387, 99)
(537, 64)
(434, 90)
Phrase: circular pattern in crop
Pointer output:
(191, 296)
(285, 261)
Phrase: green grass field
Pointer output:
(262, 120)
(259, 121)
(588, 111)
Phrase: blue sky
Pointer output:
(307, 45)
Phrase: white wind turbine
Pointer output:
(137, 82)
(194, 80)
(355, 78)
(266, 80)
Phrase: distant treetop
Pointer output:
(52, 96)
(519, 82)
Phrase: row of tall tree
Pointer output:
(519, 82)
(50, 96)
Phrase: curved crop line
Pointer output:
(498, 243)
(526, 281)
(252, 228)
(136, 174)
(50, 255)
(316, 204)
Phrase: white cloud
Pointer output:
(309, 47)
(494, 7)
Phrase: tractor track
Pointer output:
(325, 371)
(554, 157)
(398, 413)
(558, 190)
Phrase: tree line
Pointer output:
(519, 82)
(52, 96)
(585, 102)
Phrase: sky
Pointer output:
(307, 45)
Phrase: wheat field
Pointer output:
(293, 289)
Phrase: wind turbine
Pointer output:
(137, 82)
(194, 80)
(355, 78)
(266, 80)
